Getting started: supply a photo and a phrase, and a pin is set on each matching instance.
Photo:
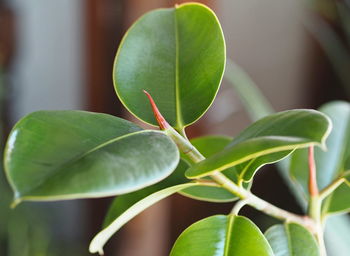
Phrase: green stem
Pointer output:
(186, 147)
(315, 205)
(330, 188)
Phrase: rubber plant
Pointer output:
(176, 57)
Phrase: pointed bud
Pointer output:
(163, 124)
(313, 189)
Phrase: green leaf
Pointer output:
(208, 146)
(178, 56)
(222, 235)
(101, 238)
(332, 163)
(254, 102)
(338, 231)
(57, 155)
(265, 141)
(337, 235)
(291, 239)
(339, 201)
(123, 202)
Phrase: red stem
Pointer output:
(312, 173)
(163, 124)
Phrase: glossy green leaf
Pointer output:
(207, 145)
(56, 155)
(291, 239)
(332, 163)
(267, 140)
(222, 236)
(101, 238)
(338, 231)
(178, 56)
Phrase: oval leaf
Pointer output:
(178, 56)
(101, 238)
(291, 239)
(207, 145)
(222, 235)
(268, 140)
(57, 155)
(330, 164)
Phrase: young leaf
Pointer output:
(267, 140)
(330, 164)
(178, 56)
(101, 238)
(291, 239)
(57, 155)
(222, 235)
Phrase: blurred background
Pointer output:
(59, 55)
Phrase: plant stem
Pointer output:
(261, 204)
(186, 147)
(315, 203)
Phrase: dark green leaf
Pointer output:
(291, 239)
(207, 145)
(330, 164)
(178, 56)
(56, 155)
(222, 235)
(267, 140)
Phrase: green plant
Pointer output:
(177, 55)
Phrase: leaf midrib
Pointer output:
(256, 155)
(179, 121)
(230, 224)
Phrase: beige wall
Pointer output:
(268, 40)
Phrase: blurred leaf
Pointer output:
(338, 231)
(337, 235)
(291, 239)
(222, 235)
(254, 102)
(330, 164)
(56, 155)
(267, 140)
(258, 107)
(333, 47)
(178, 56)
(102, 237)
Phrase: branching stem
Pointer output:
(311, 222)
(186, 147)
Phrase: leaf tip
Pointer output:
(96, 249)
(163, 124)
